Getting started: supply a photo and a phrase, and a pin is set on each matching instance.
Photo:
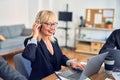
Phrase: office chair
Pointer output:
(22, 65)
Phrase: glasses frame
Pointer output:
(50, 24)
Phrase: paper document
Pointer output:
(108, 79)
(116, 75)
(62, 78)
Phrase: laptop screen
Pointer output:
(93, 66)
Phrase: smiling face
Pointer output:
(48, 20)
(48, 28)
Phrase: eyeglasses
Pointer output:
(51, 24)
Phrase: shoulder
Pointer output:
(116, 31)
(26, 40)
(55, 39)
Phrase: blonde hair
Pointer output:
(44, 16)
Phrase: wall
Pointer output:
(13, 12)
(117, 15)
(33, 7)
(24, 11)
(78, 8)
(21, 11)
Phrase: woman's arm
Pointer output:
(30, 49)
(31, 43)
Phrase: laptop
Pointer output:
(93, 66)
(116, 56)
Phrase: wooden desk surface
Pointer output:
(99, 76)
(51, 77)
(12, 52)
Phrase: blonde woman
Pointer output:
(42, 48)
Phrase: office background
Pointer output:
(24, 11)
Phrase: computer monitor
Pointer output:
(65, 16)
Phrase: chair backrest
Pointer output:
(22, 65)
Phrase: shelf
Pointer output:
(86, 52)
(89, 45)
(63, 28)
(87, 28)
(91, 40)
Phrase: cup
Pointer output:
(109, 64)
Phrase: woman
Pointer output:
(42, 48)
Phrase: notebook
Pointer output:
(116, 56)
(93, 66)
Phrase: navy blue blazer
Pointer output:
(40, 59)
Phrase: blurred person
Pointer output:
(113, 41)
(8, 73)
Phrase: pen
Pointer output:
(58, 76)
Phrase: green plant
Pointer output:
(108, 22)
(84, 35)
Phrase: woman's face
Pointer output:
(48, 28)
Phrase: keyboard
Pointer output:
(72, 74)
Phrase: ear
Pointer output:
(40, 27)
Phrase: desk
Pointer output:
(101, 75)
(51, 77)
(12, 52)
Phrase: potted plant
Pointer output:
(109, 24)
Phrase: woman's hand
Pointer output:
(77, 65)
(36, 29)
